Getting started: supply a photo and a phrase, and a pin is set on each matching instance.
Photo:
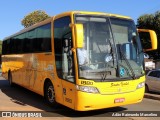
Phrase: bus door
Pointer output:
(68, 94)
(65, 81)
(64, 59)
(68, 75)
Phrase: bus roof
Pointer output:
(67, 13)
(100, 13)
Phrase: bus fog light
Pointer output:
(140, 85)
(88, 89)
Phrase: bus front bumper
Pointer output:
(90, 101)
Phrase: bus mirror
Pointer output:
(79, 34)
(148, 39)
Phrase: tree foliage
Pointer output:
(34, 17)
(0, 47)
(151, 21)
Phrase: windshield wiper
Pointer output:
(127, 62)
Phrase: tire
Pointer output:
(10, 79)
(49, 94)
(146, 89)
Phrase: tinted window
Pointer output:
(154, 74)
(36, 40)
(4, 47)
(18, 43)
(43, 39)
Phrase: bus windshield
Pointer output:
(111, 49)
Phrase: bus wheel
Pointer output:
(10, 79)
(50, 94)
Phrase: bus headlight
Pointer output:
(88, 89)
(140, 85)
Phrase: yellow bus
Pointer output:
(83, 60)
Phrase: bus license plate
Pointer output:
(119, 100)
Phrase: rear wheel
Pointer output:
(10, 79)
(50, 94)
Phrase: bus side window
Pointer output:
(42, 43)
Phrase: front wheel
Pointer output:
(50, 94)
(146, 89)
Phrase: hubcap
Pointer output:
(51, 94)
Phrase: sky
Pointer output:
(13, 11)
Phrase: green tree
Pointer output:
(34, 17)
(0, 47)
(151, 21)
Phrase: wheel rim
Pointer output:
(51, 94)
